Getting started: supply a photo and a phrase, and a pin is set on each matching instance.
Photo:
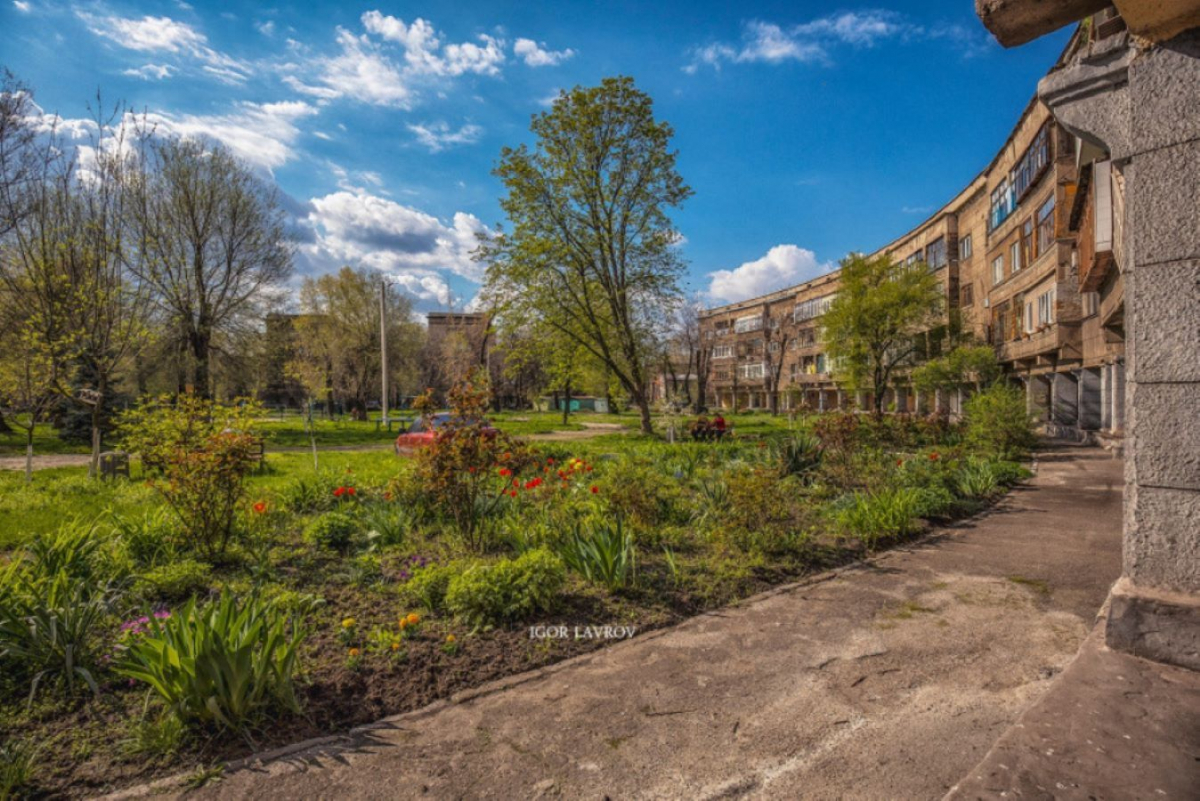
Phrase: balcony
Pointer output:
(1061, 340)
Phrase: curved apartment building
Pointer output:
(1028, 256)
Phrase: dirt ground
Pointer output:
(890, 679)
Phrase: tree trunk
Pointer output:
(29, 452)
(94, 464)
(567, 402)
(644, 407)
(201, 341)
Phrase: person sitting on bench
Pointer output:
(699, 428)
(717, 426)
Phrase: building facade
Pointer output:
(1028, 256)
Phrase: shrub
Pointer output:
(493, 593)
(72, 550)
(765, 514)
(176, 580)
(310, 492)
(799, 455)
(1009, 473)
(642, 493)
(605, 555)
(466, 473)
(222, 664)
(428, 586)
(882, 516)
(934, 501)
(204, 450)
(998, 424)
(976, 479)
(332, 531)
(51, 631)
(148, 540)
(386, 524)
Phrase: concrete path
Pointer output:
(1113, 726)
(887, 680)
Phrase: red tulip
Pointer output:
(260, 507)
(595, 489)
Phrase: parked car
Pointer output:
(424, 431)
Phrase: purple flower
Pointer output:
(162, 614)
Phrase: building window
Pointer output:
(812, 308)
(755, 370)
(935, 254)
(1045, 226)
(1029, 318)
(1091, 303)
(968, 295)
(1029, 168)
(773, 347)
(964, 248)
(1027, 254)
(998, 269)
(722, 352)
(1014, 255)
(1045, 307)
(1004, 203)
(821, 363)
(744, 324)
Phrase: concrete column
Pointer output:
(1118, 396)
(821, 400)
(841, 399)
(1138, 103)
(1089, 399)
(1106, 402)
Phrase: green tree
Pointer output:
(966, 364)
(591, 251)
(871, 327)
(340, 324)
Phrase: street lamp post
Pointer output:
(383, 349)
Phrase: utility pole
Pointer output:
(383, 347)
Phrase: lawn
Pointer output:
(409, 580)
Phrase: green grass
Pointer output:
(45, 440)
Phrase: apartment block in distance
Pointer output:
(1028, 253)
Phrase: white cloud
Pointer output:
(783, 266)
(421, 44)
(812, 42)
(266, 28)
(413, 248)
(150, 72)
(438, 136)
(22, 6)
(165, 35)
(262, 134)
(361, 71)
(537, 56)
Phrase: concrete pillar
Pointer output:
(1137, 102)
(1118, 396)
(1106, 402)
(1089, 399)
(1064, 400)
(821, 400)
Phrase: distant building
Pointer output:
(1029, 256)
(456, 343)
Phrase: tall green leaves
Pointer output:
(591, 248)
(222, 664)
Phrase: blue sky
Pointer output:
(806, 129)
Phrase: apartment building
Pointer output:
(1028, 256)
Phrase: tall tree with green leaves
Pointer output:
(871, 328)
(591, 250)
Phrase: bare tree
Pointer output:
(213, 242)
(775, 342)
(67, 263)
(690, 340)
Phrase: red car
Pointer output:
(424, 431)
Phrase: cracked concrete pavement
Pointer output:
(890, 679)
